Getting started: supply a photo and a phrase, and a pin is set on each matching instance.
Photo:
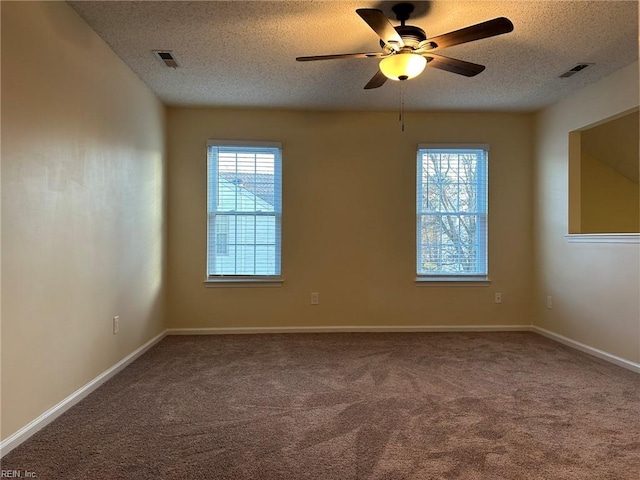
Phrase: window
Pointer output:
(452, 212)
(244, 210)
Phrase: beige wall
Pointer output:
(595, 287)
(82, 208)
(609, 201)
(349, 220)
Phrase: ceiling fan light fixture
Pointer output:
(403, 66)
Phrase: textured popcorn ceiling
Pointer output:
(243, 53)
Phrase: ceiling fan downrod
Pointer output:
(403, 12)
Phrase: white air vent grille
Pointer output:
(166, 57)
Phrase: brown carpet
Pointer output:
(350, 406)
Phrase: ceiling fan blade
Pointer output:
(342, 55)
(380, 24)
(487, 29)
(454, 65)
(377, 81)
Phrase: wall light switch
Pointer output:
(497, 298)
(116, 324)
(315, 298)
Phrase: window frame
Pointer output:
(213, 280)
(475, 279)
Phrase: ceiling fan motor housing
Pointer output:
(411, 36)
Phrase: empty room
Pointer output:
(326, 240)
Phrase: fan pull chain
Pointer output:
(401, 116)
(400, 104)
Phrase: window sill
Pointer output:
(453, 281)
(243, 282)
(603, 237)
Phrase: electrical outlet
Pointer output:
(497, 298)
(315, 298)
(116, 324)
(549, 302)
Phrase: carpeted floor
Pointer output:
(350, 406)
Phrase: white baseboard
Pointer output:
(621, 362)
(54, 412)
(350, 329)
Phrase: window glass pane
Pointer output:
(266, 258)
(245, 260)
(266, 230)
(245, 230)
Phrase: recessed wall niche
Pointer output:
(604, 170)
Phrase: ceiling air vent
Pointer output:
(166, 57)
(576, 69)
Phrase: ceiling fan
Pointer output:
(406, 50)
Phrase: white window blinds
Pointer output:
(452, 210)
(244, 209)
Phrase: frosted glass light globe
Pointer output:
(403, 66)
